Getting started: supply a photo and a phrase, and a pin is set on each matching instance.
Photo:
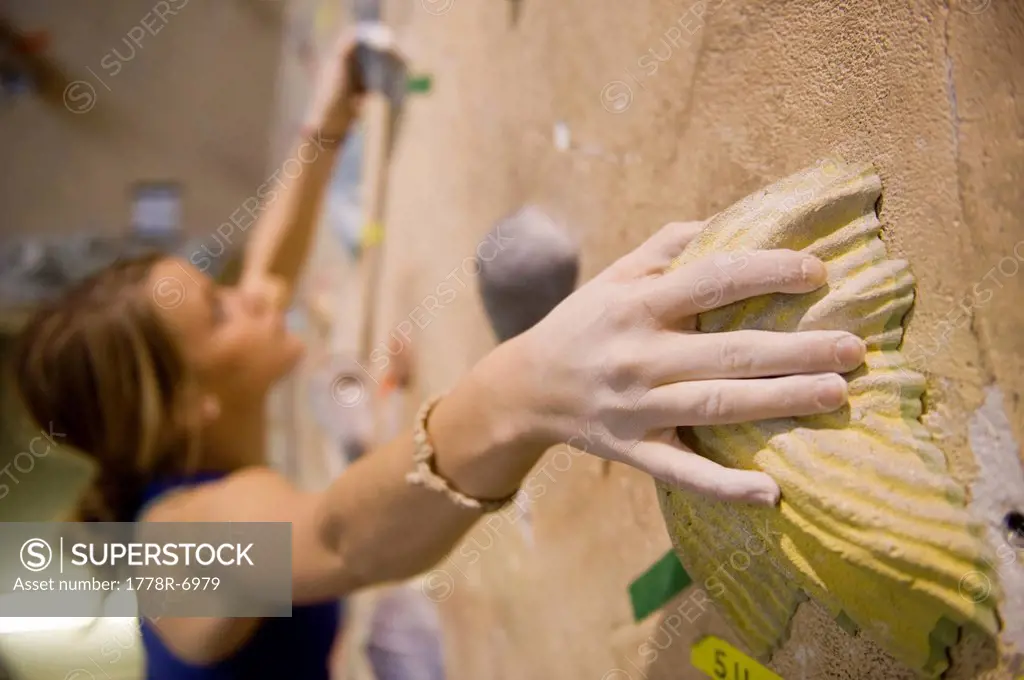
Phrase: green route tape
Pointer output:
(419, 84)
(665, 579)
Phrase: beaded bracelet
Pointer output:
(426, 474)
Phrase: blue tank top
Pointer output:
(296, 647)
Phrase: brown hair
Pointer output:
(102, 368)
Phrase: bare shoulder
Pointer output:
(255, 494)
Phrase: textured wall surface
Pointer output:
(675, 111)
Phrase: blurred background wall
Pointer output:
(124, 125)
(180, 91)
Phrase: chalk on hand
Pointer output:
(528, 264)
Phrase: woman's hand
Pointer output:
(618, 365)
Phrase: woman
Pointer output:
(170, 401)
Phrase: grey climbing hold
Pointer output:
(528, 265)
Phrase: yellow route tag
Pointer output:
(722, 661)
(324, 18)
(372, 235)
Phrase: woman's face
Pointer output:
(237, 340)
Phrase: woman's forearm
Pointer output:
(283, 234)
(383, 529)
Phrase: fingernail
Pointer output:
(813, 270)
(831, 391)
(850, 352)
(758, 489)
(768, 496)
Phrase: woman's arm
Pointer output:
(370, 525)
(283, 234)
(279, 245)
(609, 371)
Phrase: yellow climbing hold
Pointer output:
(373, 235)
(871, 524)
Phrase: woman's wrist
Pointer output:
(333, 112)
(491, 429)
(327, 131)
(518, 398)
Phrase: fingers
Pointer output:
(753, 354)
(655, 254)
(724, 402)
(677, 465)
(666, 244)
(722, 279)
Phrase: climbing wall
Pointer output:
(620, 117)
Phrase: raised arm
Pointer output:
(609, 371)
(281, 239)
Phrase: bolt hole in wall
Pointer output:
(1014, 525)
